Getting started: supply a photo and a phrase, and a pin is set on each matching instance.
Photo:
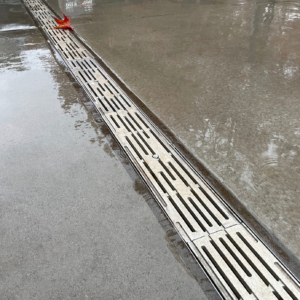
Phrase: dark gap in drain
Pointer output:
(92, 90)
(192, 229)
(73, 64)
(158, 139)
(79, 64)
(191, 212)
(127, 128)
(93, 64)
(166, 169)
(125, 100)
(88, 64)
(71, 45)
(235, 257)
(75, 44)
(101, 86)
(82, 76)
(115, 121)
(206, 207)
(60, 48)
(258, 256)
(78, 54)
(148, 146)
(102, 74)
(253, 266)
(221, 273)
(200, 212)
(184, 169)
(120, 103)
(139, 143)
(134, 149)
(155, 178)
(100, 91)
(71, 55)
(108, 89)
(82, 64)
(101, 102)
(167, 181)
(214, 203)
(147, 136)
(141, 120)
(91, 74)
(68, 46)
(277, 295)
(85, 72)
(178, 174)
(70, 37)
(116, 104)
(109, 104)
(113, 87)
(235, 272)
(83, 54)
(131, 117)
(53, 38)
(130, 123)
(290, 293)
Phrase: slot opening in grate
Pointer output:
(186, 221)
(200, 212)
(223, 275)
(263, 278)
(232, 268)
(139, 143)
(214, 203)
(206, 207)
(155, 178)
(257, 256)
(191, 212)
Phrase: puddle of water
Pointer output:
(13, 16)
(43, 124)
(25, 59)
(16, 27)
(27, 63)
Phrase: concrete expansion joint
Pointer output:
(238, 263)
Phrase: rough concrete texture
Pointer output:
(75, 220)
(224, 77)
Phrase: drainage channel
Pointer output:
(236, 261)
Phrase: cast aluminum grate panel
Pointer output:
(237, 262)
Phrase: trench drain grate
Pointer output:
(237, 262)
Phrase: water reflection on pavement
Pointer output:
(74, 222)
(224, 77)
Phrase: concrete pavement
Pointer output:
(76, 222)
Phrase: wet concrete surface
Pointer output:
(75, 220)
(13, 16)
(224, 77)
